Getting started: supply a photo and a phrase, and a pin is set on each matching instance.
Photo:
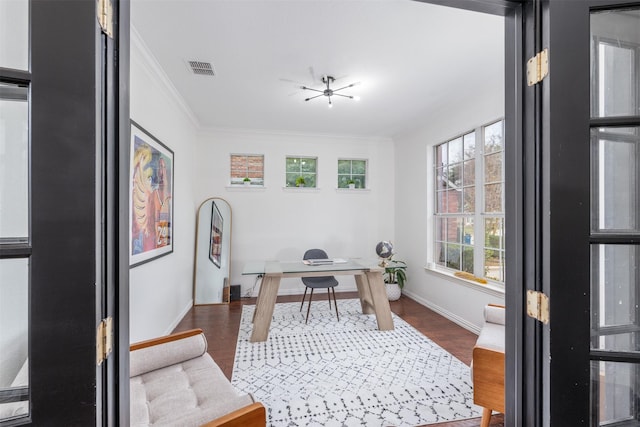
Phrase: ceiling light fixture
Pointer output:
(328, 92)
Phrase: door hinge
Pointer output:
(538, 306)
(105, 17)
(104, 340)
(538, 67)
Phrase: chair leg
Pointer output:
(303, 297)
(335, 302)
(329, 295)
(309, 307)
(486, 417)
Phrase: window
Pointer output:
(247, 166)
(469, 203)
(301, 171)
(352, 172)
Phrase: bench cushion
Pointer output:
(188, 393)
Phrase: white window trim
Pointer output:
(238, 185)
(294, 156)
(366, 173)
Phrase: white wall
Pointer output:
(459, 301)
(277, 223)
(161, 290)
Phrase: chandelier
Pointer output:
(328, 92)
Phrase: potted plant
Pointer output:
(247, 181)
(351, 183)
(299, 181)
(394, 276)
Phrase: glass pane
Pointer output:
(614, 74)
(344, 166)
(614, 393)
(494, 249)
(359, 181)
(616, 193)
(441, 154)
(454, 175)
(454, 230)
(359, 167)
(455, 150)
(454, 202)
(14, 333)
(467, 259)
(493, 138)
(308, 165)
(441, 181)
(14, 34)
(493, 168)
(614, 298)
(470, 145)
(441, 202)
(293, 164)
(493, 198)
(453, 256)
(469, 199)
(469, 172)
(309, 179)
(440, 252)
(441, 224)
(14, 162)
(468, 232)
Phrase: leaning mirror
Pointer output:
(213, 252)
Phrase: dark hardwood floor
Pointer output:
(220, 324)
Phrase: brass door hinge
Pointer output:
(538, 306)
(105, 17)
(538, 67)
(104, 340)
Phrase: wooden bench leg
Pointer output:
(486, 417)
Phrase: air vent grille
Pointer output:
(202, 68)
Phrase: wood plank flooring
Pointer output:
(220, 324)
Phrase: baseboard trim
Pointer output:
(444, 313)
(183, 313)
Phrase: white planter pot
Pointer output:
(393, 291)
(352, 186)
(247, 183)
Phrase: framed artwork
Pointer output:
(215, 247)
(150, 197)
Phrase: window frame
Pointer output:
(464, 219)
(237, 181)
(350, 175)
(300, 172)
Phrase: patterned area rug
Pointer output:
(347, 373)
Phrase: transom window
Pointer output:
(469, 205)
(301, 171)
(352, 172)
(245, 166)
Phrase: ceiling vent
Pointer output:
(202, 68)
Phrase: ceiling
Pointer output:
(411, 59)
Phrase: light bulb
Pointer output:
(356, 98)
(330, 104)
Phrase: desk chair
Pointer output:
(328, 282)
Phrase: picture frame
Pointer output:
(215, 245)
(151, 194)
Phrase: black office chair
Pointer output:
(328, 282)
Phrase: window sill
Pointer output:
(302, 189)
(352, 190)
(488, 288)
(245, 187)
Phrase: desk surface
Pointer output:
(283, 267)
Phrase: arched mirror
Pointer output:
(213, 252)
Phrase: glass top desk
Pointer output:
(367, 273)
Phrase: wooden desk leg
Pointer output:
(258, 299)
(364, 293)
(264, 308)
(380, 300)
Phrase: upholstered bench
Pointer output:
(174, 382)
(487, 367)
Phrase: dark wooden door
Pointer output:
(59, 234)
(586, 227)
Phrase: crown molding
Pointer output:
(145, 57)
